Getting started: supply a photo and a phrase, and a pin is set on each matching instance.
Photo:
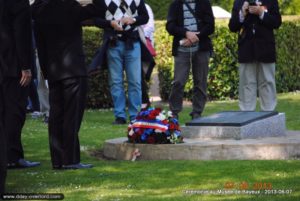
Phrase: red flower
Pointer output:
(165, 122)
(150, 140)
(172, 126)
(153, 114)
(158, 109)
(132, 138)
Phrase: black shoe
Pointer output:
(46, 119)
(195, 115)
(119, 121)
(76, 166)
(22, 163)
(57, 167)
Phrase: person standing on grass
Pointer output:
(16, 45)
(190, 22)
(255, 22)
(122, 50)
(2, 137)
(149, 29)
(58, 33)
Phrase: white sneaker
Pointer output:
(36, 114)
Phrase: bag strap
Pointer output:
(192, 11)
(190, 8)
(139, 28)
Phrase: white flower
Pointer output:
(161, 117)
(131, 132)
(170, 114)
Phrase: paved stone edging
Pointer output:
(271, 148)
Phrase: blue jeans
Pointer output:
(119, 58)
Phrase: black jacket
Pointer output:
(15, 37)
(58, 35)
(206, 24)
(256, 40)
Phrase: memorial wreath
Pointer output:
(154, 126)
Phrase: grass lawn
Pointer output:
(153, 180)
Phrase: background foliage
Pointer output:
(223, 73)
(99, 94)
(160, 8)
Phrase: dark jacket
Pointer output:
(100, 58)
(256, 40)
(15, 38)
(206, 24)
(58, 35)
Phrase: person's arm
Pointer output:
(235, 23)
(143, 16)
(100, 20)
(208, 21)
(141, 19)
(23, 38)
(149, 28)
(172, 25)
(272, 17)
(41, 48)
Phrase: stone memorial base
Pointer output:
(222, 136)
(236, 125)
(271, 148)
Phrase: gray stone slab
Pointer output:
(271, 148)
(231, 118)
(264, 125)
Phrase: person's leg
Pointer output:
(133, 75)
(15, 101)
(267, 86)
(145, 89)
(56, 121)
(200, 71)
(74, 96)
(181, 74)
(43, 92)
(247, 86)
(33, 95)
(115, 67)
(3, 162)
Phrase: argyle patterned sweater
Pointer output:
(115, 10)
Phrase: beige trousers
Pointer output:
(257, 77)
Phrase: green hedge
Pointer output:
(160, 8)
(98, 94)
(223, 71)
(288, 62)
(223, 67)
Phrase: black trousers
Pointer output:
(34, 97)
(15, 101)
(145, 90)
(2, 146)
(67, 102)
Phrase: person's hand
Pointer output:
(116, 25)
(26, 78)
(127, 20)
(186, 42)
(192, 36)
(245, 8)
(256, 10)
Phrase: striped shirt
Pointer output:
(190, 23)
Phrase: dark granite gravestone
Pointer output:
(236, 125)
(231, 118)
